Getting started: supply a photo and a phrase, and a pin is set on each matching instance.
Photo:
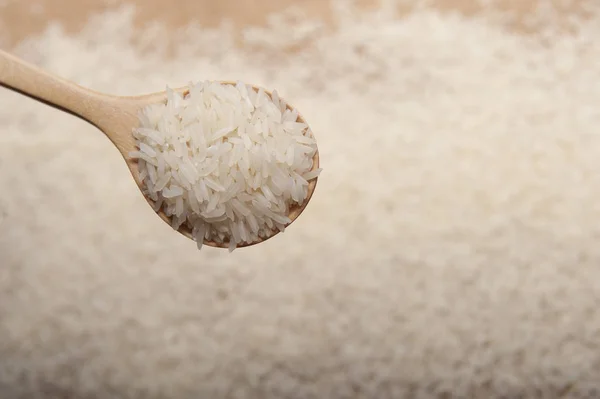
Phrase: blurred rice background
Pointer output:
(450, 250)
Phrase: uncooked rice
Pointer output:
(451, 250)
(228, 161)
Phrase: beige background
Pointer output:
(336, 322)
(23, 18)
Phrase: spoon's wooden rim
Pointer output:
(295, 209)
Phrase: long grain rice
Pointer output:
(225, 161)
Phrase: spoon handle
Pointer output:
(27, 79)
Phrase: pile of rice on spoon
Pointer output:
(226, 161)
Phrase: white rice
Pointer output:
(226, 161)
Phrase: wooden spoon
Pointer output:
(115, 116)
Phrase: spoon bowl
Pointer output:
(295, 210)
(116, 117)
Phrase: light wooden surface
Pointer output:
(20, 19)
(115, 116)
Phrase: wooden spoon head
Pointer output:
(119, 130)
